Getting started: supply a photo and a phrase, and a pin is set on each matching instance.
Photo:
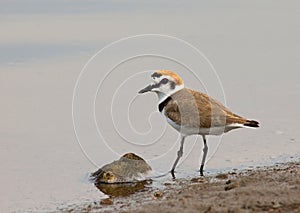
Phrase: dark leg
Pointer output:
(179, 155)
(205, 149)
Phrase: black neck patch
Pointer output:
(162, 105)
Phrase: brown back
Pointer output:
(194, 109)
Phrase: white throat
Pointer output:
(164, 96)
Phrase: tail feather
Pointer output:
(251, 123)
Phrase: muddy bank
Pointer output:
(271, 189)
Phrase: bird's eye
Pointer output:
(164, 81)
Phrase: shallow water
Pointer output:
(253, 46)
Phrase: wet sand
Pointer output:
(269, 189)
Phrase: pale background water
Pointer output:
(253, 45)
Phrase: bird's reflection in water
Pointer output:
(123, 189)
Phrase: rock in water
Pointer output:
(129, 168)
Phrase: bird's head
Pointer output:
(164, 83)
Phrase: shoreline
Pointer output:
(270, 189)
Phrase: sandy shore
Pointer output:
(265, 189)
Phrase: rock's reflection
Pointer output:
(122, 189)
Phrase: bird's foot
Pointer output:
(173, 174)
(201, 170)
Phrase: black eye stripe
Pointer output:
(172, 86)
(164, 81)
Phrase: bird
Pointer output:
(191, 112)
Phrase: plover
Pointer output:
(191, 112)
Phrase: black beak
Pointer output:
(147, 88)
